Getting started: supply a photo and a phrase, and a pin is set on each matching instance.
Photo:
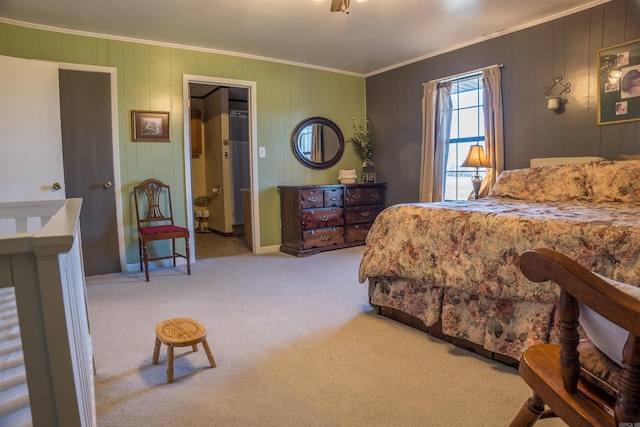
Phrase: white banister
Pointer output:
(44, 264)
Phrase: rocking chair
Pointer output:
(578, 379)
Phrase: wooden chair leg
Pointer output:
(529, 413)
(156, 352)
(145, 257)
(173, 247)
(186, 246)
(209, 354)
(140, 251)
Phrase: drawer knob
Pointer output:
(324, 218)
(313, 199)
(365, 213)
(325, 237)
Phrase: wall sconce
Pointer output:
(554, 102)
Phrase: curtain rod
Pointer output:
(463, 74)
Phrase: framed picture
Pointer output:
(619, 83)
(150, 126)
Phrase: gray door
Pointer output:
(85, 110)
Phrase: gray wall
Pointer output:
(532, 58)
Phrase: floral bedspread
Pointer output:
(458, 262)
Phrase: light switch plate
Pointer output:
(262, 152)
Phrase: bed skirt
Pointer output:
(504, 327)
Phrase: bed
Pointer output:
(451, 268)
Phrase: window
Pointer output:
(305, 140)
(467, 129)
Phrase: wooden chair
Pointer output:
(152, 198)
(554, 372)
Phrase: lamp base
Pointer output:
(476, 180)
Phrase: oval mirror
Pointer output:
(317, 143)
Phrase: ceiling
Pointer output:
(375, 36)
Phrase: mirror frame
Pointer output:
(307, 162)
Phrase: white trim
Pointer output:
(253, 150)
(115, 142)
(173, 45)
(270, 249)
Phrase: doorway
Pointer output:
(220, 165)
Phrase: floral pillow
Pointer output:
(559, 183)
(614, 181)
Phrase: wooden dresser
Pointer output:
(317, 218)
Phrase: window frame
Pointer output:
(459, 173)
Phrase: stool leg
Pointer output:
(169, 364)
(195, 347)
(156, 352)
(208, 351)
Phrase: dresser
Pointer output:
(315, 218)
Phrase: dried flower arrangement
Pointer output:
(362, 139)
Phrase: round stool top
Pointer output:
(180, 332)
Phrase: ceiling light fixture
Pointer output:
(340, 6)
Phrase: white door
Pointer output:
(30, 131)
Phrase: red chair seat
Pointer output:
(162, 229)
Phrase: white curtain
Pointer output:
(436, 130)
(493, 126)
(316, 143)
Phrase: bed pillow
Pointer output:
(628, 157)
(550, 161)
(544, 184)
(608, 337)
(614, 181)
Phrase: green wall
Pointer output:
(150, 78)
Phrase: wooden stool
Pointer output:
(181, 332)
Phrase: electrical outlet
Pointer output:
(262, 152)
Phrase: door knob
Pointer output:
(57, 186)
(107, 184)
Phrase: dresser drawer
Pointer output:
(358, 232)
(323, 237)
(365, 195)
(319, 218)
(311, 199)
(364, 213)
(355, 196)
(374, 195)
(333, 197)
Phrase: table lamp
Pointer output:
(476, 159)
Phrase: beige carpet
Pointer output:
(296, 344)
